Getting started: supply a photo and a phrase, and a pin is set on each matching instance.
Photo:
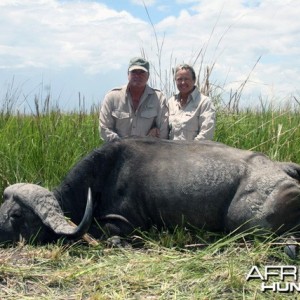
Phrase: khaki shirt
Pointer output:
(195, 121)
(118, 118)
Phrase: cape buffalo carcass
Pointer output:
(140, 183)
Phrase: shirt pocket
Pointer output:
(149, 113)
(120, 114)
(190, 122)
(186, 119)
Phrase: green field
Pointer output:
(43, 146)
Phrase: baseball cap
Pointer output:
(138, 63)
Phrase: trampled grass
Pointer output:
(43, 146)
(153, 272)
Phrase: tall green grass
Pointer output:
(42, 146)
(275, 133)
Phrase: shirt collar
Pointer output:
(191, 96)
(148, 90)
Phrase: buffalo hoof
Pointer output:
(291, 250)
(116, 242)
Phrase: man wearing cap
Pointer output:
(135, 109)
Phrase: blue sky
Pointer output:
(82, 47)
(157, 12)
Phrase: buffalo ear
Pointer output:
(46, 207)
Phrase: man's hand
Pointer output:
(154, 132)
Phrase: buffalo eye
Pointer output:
(5, 197)
(16, 215)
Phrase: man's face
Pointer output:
(138, 78)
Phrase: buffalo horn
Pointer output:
(46, 206)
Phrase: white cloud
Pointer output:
(49, 33)
(234, 36)
(98, 41)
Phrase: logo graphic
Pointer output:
(278, 279)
